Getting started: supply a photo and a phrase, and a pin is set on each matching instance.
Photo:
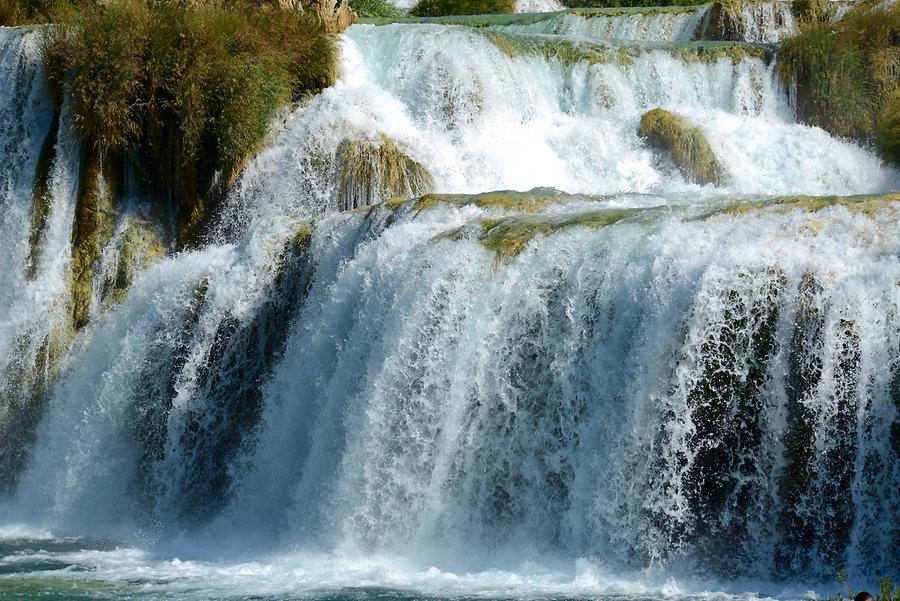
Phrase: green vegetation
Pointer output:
(509, 236)
(176, 95)
(377, 9)
(724, 21)
(21, 12)
(95, 218)
(435, 8)
(187, 89)
(865, 204)
(848, 75)
(886, 590)
(686, 143)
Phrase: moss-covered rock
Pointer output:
(142, 244)
(376, 169)
(571, 51)
(686, 143)
(303, 236)
(41, 200)
(724, 21)
(865, 204)
(95, 219)
(509, 236)
(847, 75)
(532, 201)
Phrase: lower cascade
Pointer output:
(545, 306)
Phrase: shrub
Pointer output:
(848, 73)
(186, 90)
(20, 12)
(437, 8)
(886, 590)
(376, 9)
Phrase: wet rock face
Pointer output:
(687, 144)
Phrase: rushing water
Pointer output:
(638, 388)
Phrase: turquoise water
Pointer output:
(75, 569)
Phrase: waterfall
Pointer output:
(768, 21)
(671, 24)
(38, 175)
(459, 326)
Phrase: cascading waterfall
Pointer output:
(38, 175)
(767, 21)
(674, 24)
(641, 373)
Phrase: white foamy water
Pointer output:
(643, 393)
(673, 24)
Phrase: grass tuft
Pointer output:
(187, 89)
(848, 75)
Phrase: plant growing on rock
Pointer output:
(848, 75)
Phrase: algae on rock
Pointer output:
(687, 144)
(95, 218)
(372, 170)
(141, 245)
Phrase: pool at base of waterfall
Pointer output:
(38, 566)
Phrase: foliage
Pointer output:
(376, 9)
(848, 74)
(192, 88)
(21, 12)
(886, 590)
(437, 8)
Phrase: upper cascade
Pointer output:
(483, 110)
(760, 21)
(657, 24)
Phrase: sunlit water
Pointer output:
(680, 396)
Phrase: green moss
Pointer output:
(811, 11)
(686, 143)
(848, 75)
(303, 236)
(887, 133)
(434, 8)
(41, 199)
(21, 12)
(525, 202)
(373, 169)
(724, 21)
(867, 204)
(142, 245)
(95, 217)
(507, 237)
